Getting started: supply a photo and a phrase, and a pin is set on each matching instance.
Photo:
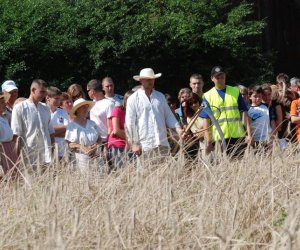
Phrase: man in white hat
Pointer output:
(148, 116)
(10, 87)
(31, 120)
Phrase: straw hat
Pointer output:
(79, 103)
(147, 73)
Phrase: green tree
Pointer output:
(65, 41)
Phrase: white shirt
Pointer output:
(33, 123)
(260, 122)
(100, 114)
(146, 119)
(59, 118)
(6, 134)
(87, 135)
(116, 99)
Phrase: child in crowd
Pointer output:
(259, 115)
(270, 99)
(66, 103)
(117, 137)
(59, 118)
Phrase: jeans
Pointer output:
(116, 157)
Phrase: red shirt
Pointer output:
(114, 140)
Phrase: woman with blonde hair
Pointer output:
(75, 91)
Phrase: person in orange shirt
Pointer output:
(295, 117)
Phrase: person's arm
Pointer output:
(278, 123)
(207, 138)
(131, 124)
(59, 131)
(248, 128)
(116, 128)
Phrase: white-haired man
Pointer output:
(148, 116)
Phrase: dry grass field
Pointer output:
(251, 203)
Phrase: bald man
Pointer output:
(31, 120)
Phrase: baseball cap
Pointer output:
(8, 86)
(217, 70)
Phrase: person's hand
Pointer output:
(209, 147)
(249, 140)
(91, 150)
(136, 149)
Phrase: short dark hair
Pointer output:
(53, 91)
(256, 89)
(196, 76)
(95, 85)
(39, 82)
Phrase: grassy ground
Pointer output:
(251, 203)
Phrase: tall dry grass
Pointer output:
(250, 203)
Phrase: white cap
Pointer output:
(8, 86)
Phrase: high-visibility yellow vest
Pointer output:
(226, 112)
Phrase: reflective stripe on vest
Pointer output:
(226, 112)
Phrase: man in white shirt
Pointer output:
(108, 87)
(148, 116)
(102, 109)
(31, 120)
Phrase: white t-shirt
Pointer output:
(85, 136)
(100, 114)
(147, 119)
(116, 99)
(260, 122)
(33, 123)
(58, 118)
(6, 134)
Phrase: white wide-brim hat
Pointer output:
(79, 103)
(147, 73)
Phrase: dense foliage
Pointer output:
(66, 41)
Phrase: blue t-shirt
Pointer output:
(241, 104)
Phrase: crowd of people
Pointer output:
(110, 129)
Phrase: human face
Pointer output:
(148, 84)
(54, 101)
(196, 85)
(184, 97)
(14, 94)
(244, 95)
(67, 105)
(76, 95)
(90, 93)
(172, 106)
(267, 96)
(108, 88)
(39, 93)
(256, 99)
(219, 79)
(2, 106)
(82, 111)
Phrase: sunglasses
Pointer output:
(75, 97)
